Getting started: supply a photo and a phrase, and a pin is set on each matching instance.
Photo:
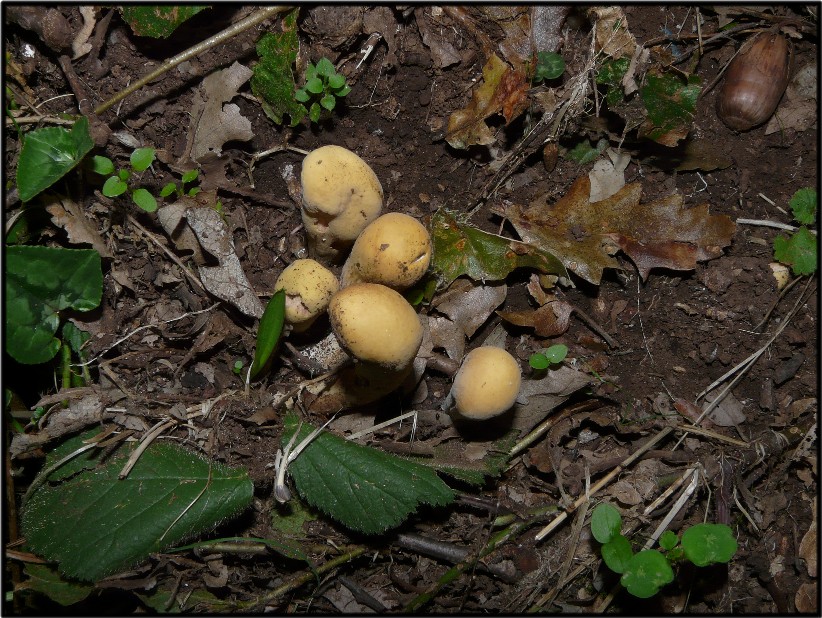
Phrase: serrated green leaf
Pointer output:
(365, 489)
(75, 337)
(41, 282)
(273, 79)
(803, 205)
(144, 200)
(314, 112)
(95, 524)
(102, 165)
(798, 251)
(158, 21)
(302, 96)
(269, 332)
(461, 249)
(48, 154)
(141, 159)
(47, 581)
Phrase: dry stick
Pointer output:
(196, 50)
(603, 482)
(301, 579)
(147, 439)
(782, 294)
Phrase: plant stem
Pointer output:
(233, 30)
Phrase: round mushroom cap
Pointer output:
(487, 383)
(341, 194)
(394, 250)
(376, 324)
(308, 287)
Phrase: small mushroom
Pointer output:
(487, 383)
(394, 250)
(341, 194)
(382, 333)
(308, 287)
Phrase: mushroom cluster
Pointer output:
(370, 319)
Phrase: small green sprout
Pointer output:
(323, 85)
(549, 66)
(238, 366)
(646, 572)
(799, 250)
(172, 187)
(117, 182)
(550, 356)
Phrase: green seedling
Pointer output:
(646, 572)
(117, 182)
(799, 250)
(549, 66)
(180, 189)
(549, 356)
(268, 333)
(323, 86)
(237, 368)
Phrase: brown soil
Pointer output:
(677, 332)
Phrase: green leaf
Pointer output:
(328, 102)
(102, 165)
(314, 85)
(646, 573)
(336, 81)
(671, 106)
(302, 96)
(706, 544)
(144, 200)
(314, 112)
(325, 68)
(190, 176)
(584, 152)
(47, 581)
(41, 282)
(617, 553)
(610, 74)
(606, 522)
(365, 489)
(556, 353)
(460, 249)
(141, 159)
(273, 79)
(803, 204)
(668, 540)
(48, 154)
(95, 524)
(538, 361)
(114, 187)
(158, 21)
(75, 337)
(342, 91)
(124, 174)
(268, 334)
(799, 251)
(168, 189)
(550, 65)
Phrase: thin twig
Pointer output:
(147, 439)
(233, 30)
(775, 224)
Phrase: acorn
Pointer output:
(755, 81)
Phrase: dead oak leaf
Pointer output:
(585, 235)
(503, 89)
(549, 320)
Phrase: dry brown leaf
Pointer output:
(585, 235)
(226, 281)
(503, 89)
(468, 304)
(67, 214)
(550, 320)
(808, 546)
(215, 121)
(611, 31)
(807, 598)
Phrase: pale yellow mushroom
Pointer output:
(341, 194)
(394, 250)
(308, 287)
(487, 383)
(382, 333)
